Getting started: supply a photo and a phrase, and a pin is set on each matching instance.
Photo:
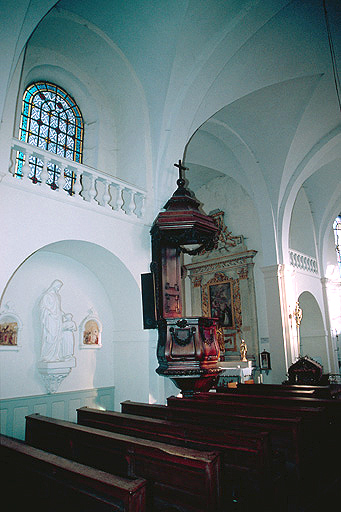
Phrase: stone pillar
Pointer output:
(278, 325)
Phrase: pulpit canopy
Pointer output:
(183, 223)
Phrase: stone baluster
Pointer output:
(106, 195)
(141, 210)
(62, 178)
(92, 190)
(131, 205)
(77, 186)
(44, 175)
(13, 156)
(25, 169)
(119, 199)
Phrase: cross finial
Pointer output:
(181, 168)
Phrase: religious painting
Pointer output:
(91, 333)
(9, 334)
(221, 303)
(230, 342)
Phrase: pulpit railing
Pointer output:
(33, 166)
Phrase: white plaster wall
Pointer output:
(330, 266)
(111, 252)
(302, 231)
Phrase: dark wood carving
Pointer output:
(188, 350)
(305, 371)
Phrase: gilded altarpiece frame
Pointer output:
(225, 276)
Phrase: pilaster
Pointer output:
(277, 316)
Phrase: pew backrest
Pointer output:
(286, 433)
(176, 476)
(33, 478)
(251, 450)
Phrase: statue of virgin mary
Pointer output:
(51, 317)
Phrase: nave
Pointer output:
(259, 447)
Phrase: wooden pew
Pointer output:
(247, 469)
(241, 404)
(286, 433)
(267, 389)
(34, 479)
(307, 391)
(329, 411)
(307, 484)
(176, 476)
(314, 419)
(331, 407)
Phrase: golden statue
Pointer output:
(243, 351)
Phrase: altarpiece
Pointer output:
(222, 286)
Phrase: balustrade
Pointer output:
(303, 261)
(79, 182)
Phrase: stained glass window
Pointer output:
(337, 235)
(50, 120)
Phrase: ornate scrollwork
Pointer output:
(182, 342)
(207, 340)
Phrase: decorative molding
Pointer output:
(53, 373)
(238, 262)
(225, 241)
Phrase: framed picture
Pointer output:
(90, 331)
(9, 334)
(220, 303)
(264, 360)
(10, 327)
(230, 342)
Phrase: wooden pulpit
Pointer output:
(188, 351)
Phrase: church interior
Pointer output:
(170, 286)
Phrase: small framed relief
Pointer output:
(10, 327)
(90, 331)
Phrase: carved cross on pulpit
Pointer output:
(181, 180)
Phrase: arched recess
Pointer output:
(316, 167)
(106, 89)
(222, 152)
(93, 279)
(313, 337)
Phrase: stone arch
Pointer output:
(313, 337)
(93, 279)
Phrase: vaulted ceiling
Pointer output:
(242, 88)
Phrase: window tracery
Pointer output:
(51, 120)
